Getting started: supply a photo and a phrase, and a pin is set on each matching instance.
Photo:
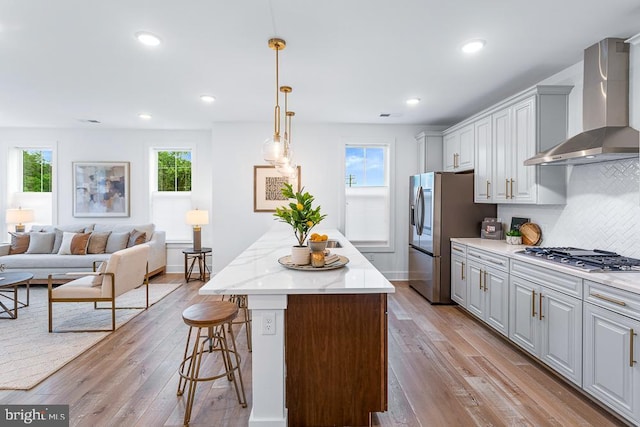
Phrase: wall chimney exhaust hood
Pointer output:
(605, 111)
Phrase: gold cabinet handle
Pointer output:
(457, 249)
(480, 279)
(506, 188)
(487, 189)
(511, 192)
(615, 301)
(541, 316)
(533, 303)
(631, 335)
(485, 280)
(462, 271)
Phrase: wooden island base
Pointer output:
(336, 358)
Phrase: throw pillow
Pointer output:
(79, 243)
(59, 231)
(97, 280)
(65, 245)
(98, 242)
(116, 242)
(41, 243)
(19, 243)
(136, 238)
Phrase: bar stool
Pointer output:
(241, 301)
(213, 316)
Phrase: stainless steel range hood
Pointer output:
(605, 112)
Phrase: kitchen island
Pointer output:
(334, 324)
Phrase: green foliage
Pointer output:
(174, 171)
(513, 232)
(300, 214)
(36, 172)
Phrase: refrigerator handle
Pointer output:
(413, 215)
(420, 202)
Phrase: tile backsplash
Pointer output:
(602, 210)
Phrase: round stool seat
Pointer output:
(209, 313)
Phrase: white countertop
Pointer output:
(256, 271)
(622, 280)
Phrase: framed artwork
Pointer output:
(267, 186)
(100, 189)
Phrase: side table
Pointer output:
(199, 256)
(9, 283)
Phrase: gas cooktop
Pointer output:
(595, 261)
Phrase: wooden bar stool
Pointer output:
(214, 317)
(241, 301)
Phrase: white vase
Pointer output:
(300, 255)
(514, 240)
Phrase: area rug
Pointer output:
(29, 353)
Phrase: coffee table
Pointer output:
(9, 283)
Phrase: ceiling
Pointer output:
(64, 62)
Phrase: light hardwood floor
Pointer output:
(445, 369)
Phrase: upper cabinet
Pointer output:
(459, 145)
(506, 135)
(429, 151)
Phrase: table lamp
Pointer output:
(19, 216)
(197, 218)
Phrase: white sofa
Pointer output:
(43, 264)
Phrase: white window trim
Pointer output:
(391, 151)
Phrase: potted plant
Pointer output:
(514, 237)
(302, 217)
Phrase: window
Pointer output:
(174, 170)
(367, 196)
(36, 171)
(365, 166)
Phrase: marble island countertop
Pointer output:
(622, 280)
(257, 271)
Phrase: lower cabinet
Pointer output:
(488, 295)
(547, 324)
(611, 356)
(458, 274)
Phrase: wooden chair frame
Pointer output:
(95, 301)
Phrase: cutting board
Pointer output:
(531, 233)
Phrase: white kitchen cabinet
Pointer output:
(503, 137)
(611, 349)
(487, 288)
(459, 274)
(458, 149)
(545, 317)
(547, 324)
(429, 151)
(483, 180)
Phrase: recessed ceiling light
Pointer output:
(144, 116)
(207, 98)
(147, 38)
(473, 46)
(413, 101)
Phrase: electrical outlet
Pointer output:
(269, 323)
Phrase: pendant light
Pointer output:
(287, 152)
(273, 148)
(288, 168)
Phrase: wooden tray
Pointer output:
(286, 261)
(531, 233)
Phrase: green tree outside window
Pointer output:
(36, 171)
(174, 170)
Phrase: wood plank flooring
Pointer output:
(445, 369)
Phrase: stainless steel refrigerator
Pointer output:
(440, 207)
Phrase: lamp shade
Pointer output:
(19, 216)
(197, 217)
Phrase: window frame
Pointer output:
(389, 144)
(156, 171)
(21, 168)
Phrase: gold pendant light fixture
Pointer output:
(273, 148)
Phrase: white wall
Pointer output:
(114, 145)
(603, 199)
(319, 150)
